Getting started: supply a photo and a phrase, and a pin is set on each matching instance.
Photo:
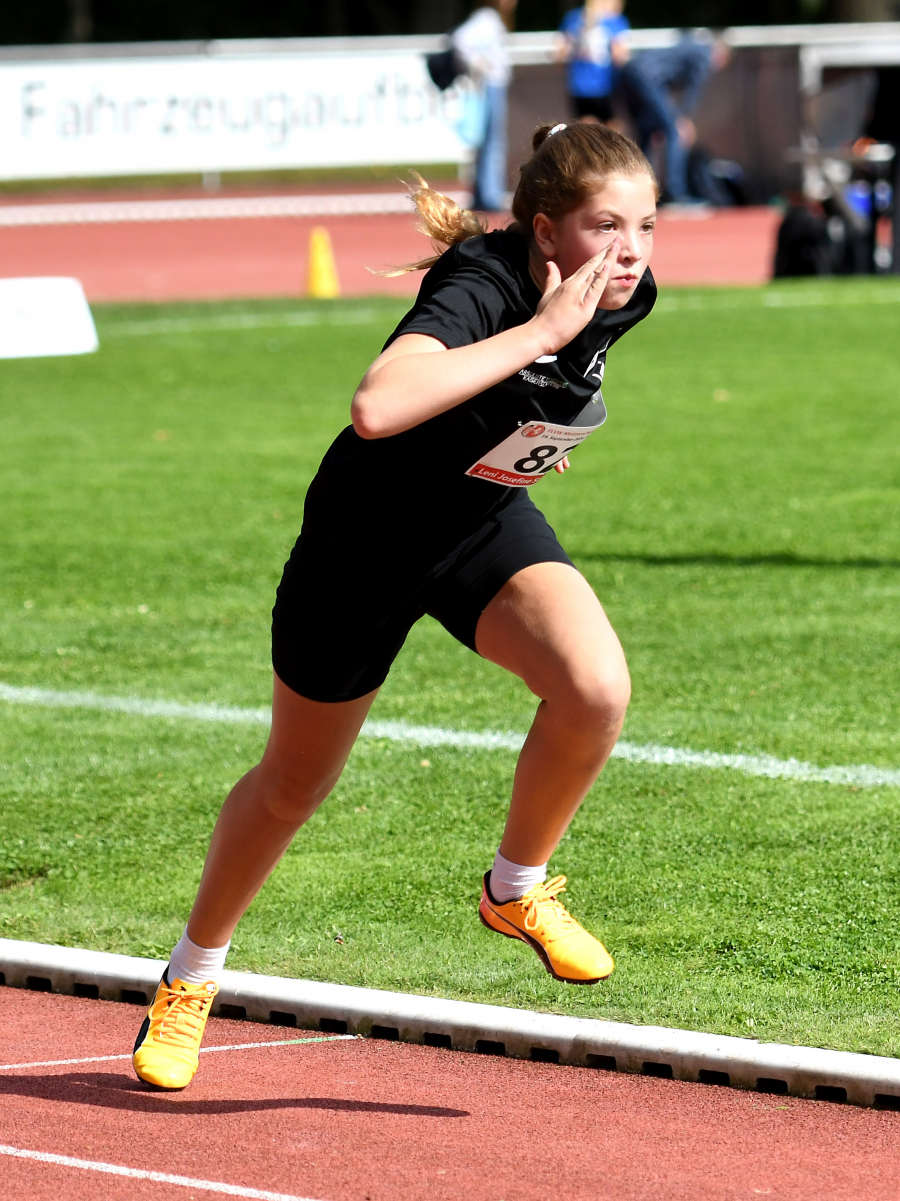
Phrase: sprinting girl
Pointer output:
(422, 506)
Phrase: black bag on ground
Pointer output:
(706, 182)
(803, 247)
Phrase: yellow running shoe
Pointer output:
(566, 949)
(166, 1051)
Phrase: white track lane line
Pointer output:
(220, 208)
(860, 775)
(112, 1169)
(281, 1042)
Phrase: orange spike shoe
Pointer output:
(166, 1053)
(566, 949)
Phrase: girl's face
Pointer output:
(624, 207)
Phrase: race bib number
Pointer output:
(527, 455)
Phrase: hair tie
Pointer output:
(556, 129)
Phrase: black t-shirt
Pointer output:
(476, 289)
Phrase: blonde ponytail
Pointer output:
(440, 219)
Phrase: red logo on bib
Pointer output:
(535, 433)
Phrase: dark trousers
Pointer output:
(653, 111)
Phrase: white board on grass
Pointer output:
(46, 315)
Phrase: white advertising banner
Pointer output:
(139, 116)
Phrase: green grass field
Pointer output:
(739, 517)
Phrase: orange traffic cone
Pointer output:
(321, 277)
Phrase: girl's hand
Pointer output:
(562, 465)
(568, 305)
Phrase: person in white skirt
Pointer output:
(481, 43)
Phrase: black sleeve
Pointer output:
(465, 306)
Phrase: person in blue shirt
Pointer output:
(662, 88)
(593, 45)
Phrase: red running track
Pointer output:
(373, 1121)
(199, 260)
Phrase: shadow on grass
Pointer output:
(109, 1091)
(719, 560)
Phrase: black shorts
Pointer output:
(342, 613)
(593, 106)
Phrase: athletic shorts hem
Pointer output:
(304, 688)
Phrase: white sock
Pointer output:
(196, 965)
(509, 881)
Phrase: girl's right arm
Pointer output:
(410, 382)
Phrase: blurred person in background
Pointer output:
(662, 89)
(481, 43)
(592, 42)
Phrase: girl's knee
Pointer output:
(593, 698)
(289, 793)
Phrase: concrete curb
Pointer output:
(461, 1025)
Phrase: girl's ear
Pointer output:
(544, 235)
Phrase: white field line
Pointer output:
(239, 321)
(281, 1042)
(229, 208)
(762, 298)
(860, 775)
(366, 316)
(112, 1169)
(136, 706)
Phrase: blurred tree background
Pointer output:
(47, 21)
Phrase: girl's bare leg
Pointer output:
(304, 757)
(547, 626)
